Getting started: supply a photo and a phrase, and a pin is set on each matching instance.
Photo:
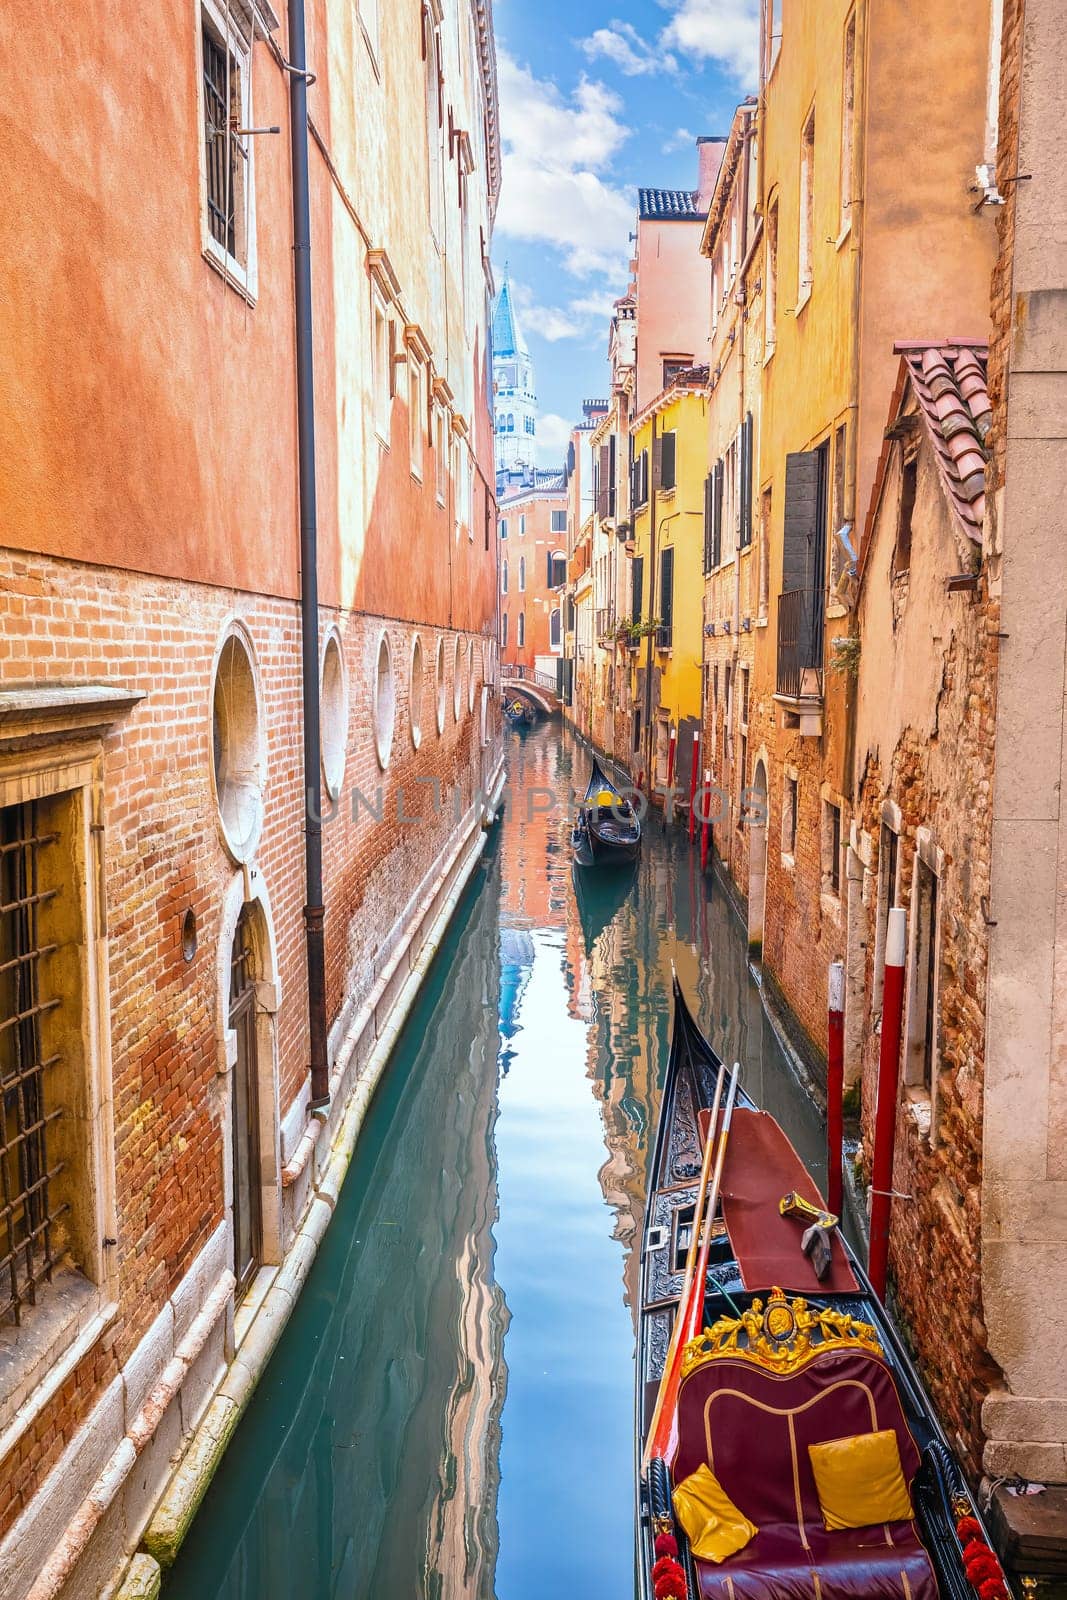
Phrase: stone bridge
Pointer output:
(539, 688)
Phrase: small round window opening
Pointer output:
(334, 701)
(189, 935)
(384, 702)
(238, 763)
(470, 676)
(457, 680)
(418, 676)
(441, 689)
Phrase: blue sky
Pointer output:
(597, 99)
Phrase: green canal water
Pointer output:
(448, 1415)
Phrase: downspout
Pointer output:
(859, 178)
(649, 742)
(314, 911)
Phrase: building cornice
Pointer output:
(483, 22)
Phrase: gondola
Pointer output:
(520, 712)
(607, 832)
(798, 1416)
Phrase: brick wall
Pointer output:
(65, 623)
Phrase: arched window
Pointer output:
(522, 574)
(522, 629)
(553, 629)
(511, 422)
(504, 631)
(504, 578)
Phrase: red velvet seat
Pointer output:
(753, 1426)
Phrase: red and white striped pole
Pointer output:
(693, 773)
(672, 749)
(704, 822)
(885, 1116)
(835, 1084)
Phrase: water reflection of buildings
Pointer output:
(369, 1462)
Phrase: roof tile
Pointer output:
(667, 205)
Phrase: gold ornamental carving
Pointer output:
(780, 1335)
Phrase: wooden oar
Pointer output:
(700, 1278)
(663, 1430)
(690, 1260)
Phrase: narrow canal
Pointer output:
(448, 1415)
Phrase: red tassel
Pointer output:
(968, 1528)
(666, 1545)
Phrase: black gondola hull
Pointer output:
(938, 1488)
(605, 836)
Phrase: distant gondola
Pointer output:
(520, 712)
(607, 832)
(803, 1454)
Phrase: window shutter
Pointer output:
(603, 470)
(801, 518)
(667, 476)
(746, 481)
(666, 596)
(611, 476)
(708, 481)
(716, 513)
(637, 605)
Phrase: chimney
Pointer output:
(710, 150)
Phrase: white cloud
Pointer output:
(555, 151)
(718, 30)
(583, 316)
(553, 437)
(621, 44)
(680, 139)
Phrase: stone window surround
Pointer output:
(257, 16)
(417, 676)
(440, 684)
(248, 887)
(831, 898)
(234, 628)
(922, 1105)
(892, 819)
(51, 744)
(336, 736)
(790, 775)
(383, 735)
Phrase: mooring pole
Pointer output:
(693, 771)
(672, 750)
(835, 1084)
(885, 1117)
(704, 823)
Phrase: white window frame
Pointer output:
(381, 376)
(415, 408)
(440, 453)
(242, 276)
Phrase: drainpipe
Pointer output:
(859, 176)
(649, 741)
(314, 911)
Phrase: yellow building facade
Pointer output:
(666, 622)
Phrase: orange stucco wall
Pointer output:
(537, 601)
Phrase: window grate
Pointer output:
(27, 1217)
(220, 147)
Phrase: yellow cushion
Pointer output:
(713, 1525)
(606, 798)
(860, 1481)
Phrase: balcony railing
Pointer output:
(800, 643)
(605, 620)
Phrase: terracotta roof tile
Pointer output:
(949, 384)
(948, 380)
(667, 204)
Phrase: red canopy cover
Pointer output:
(761, 1167)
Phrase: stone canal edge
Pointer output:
(181, 1499)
